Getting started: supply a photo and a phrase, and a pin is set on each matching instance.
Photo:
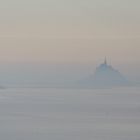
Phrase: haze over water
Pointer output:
(72, 114)
(55, 43)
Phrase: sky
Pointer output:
(67, 39)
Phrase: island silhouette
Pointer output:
(105, 76)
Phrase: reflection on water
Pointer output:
(70, 114)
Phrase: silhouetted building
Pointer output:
(106, 76)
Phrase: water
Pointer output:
(70, 114)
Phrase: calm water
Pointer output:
(69, 114)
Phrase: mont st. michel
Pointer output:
(106, 75)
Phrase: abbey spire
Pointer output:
(105, 61)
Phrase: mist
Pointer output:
(55, 74)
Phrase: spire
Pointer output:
(105, 61)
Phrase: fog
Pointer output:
(57, 41)
(33, 114)
(19, 74)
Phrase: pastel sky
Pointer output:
(78, 33)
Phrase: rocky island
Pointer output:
(106, 76)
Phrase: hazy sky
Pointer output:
(78, 33)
